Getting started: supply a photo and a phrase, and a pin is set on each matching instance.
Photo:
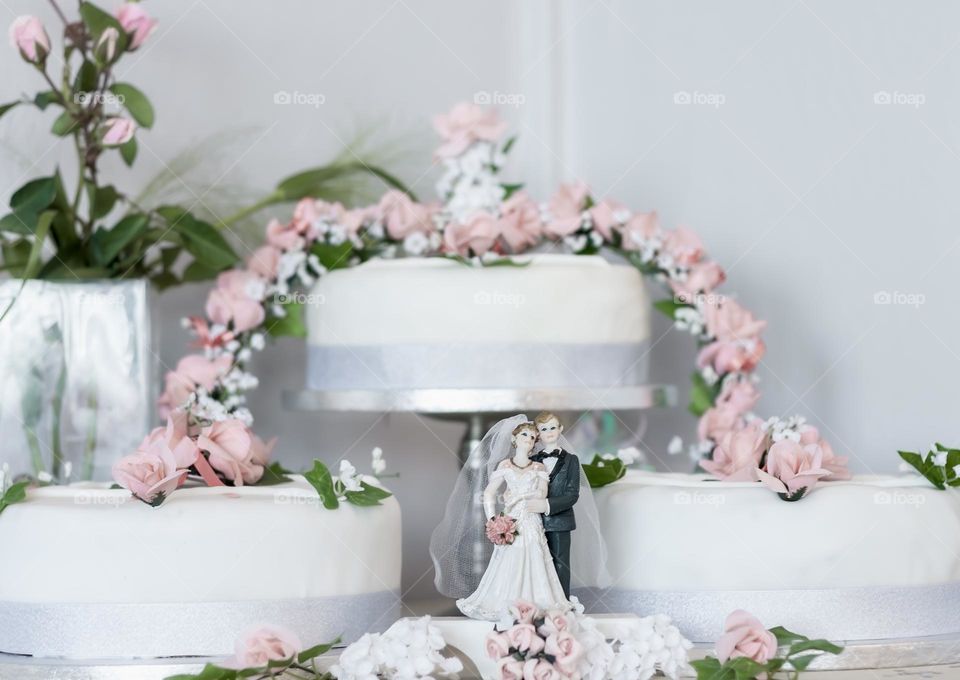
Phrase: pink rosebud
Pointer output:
(149, 475)
(702, 278)
(136, 23)
(509, 668)
(106, 47)
(519, 222)
(286, 237)
(565, 649)
(566, 208)
(523, 611)
(119, 131)
(737, 454)
(173, 439)
(639, 229)
(524, 637)
(465, 124)
(540, 669)
(728, 321)
(497, 645)
(264, 262)
(717, 421)
(402, 216)
(231, 451)
(29, 37)
(258, 646)
(793, 469)
(477, 235)
(683, 245)
(554, 622)
(744, 635)
(236, 299)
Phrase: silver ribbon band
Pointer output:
(835, 613)
(359, 367)
(108, 631)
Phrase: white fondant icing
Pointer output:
(675, 532)
(87, 543)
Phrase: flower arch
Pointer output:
(480, 220)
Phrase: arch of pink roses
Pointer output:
(322, 236)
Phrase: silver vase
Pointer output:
(78, 372)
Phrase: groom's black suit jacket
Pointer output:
(563, 492)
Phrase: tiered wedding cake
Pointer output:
(184, 579)
(559, 321)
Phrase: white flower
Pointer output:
(337, 234)
(44, 476)
(4, 476)
(349, 477)
(675, 446)
(576, 242)
(631, 455)
(416, 243)
(257, 341)
(408, 650)
(940, 458)
(378, 464)
(689, 319)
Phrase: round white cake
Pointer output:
(90, 572)
(875, 557)
(558, 321)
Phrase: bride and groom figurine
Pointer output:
(527, 467)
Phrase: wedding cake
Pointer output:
(555, 321)
(871, 558)
(185, 578)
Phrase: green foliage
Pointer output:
(368, 495)
(601, 472)
(333, 256)
(794, 659)
(135, 102)
(274, 474)
(670, 306)
(321, 480)
(16, 493)
(940, 475)
(702, 395)
(291, 324)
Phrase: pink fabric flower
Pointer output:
(541, 669)
(744, 635)
(566, 208)
(792, 467)
(726, 320)
(702, 278)
(501, 530)
(193, 371)
(740, 395)
(401, 216)
(465, 124)
(509, 668)
(565, 649)
(354, 219)
(136, 22)
(520, 223)
(258, 646)
(230, 446)
(119, 131)
(554, 622)
(732, 356)
(174, 438)
(603, 218)
(717, 421)
(261, 451)
(477, 235)
(28, 35)
(523, 636)
(640, 228)
(523, 611)
(149, 475)
(737, 454)
(497, 645)
(683, 245)
(264, 262)
(286, 237)
(234, 300)
(836, 465)
(204, 337)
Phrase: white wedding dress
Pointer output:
(524, 569)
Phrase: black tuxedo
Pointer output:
(563, 493)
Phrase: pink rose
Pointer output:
(235, 299)
(732, 356)
(509, 668)
(640, 228)
(566, 209)
(726, 320)
(193, 371)
(401, 216)
(149, 475)
(836, 465)
(264, 262)
(523, 611)
(523, 637)
(261, 451)
(540, 669)
(497, 645)
(204, 336)
(602, 215)
(717, 421)
(28, 35)
(464, 125)
(683, 245)
(702, 278)
(231, 451)
(476, 235)
(737, 454)
(354, 219)
(174, 438)
(793, 468)
(520, 223)
(119, 131)
(258, 646)
(565, 649)
(136, 22)
(744, 635)
(286, 237)
(740, 395)
(554, 622)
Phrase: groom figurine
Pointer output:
(562, 494)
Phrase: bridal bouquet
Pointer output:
(502, 530)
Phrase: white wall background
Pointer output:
(781, 131)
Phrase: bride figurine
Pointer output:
(511, 533)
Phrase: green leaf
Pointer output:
(15, 256)
(801, 663)
(290, 325)
(508, 145)
(4, 108)
(814, 645)
(34, 196)
(63, 125)
(274, 474)
(44, 99)
(97, 21)
(43, 228)
(164, 280)
(128, 151)
(321, 480)
(702, 395)
(315, 651)
(369, 495)
(510, 189)
(209, 672)
(200, 239)
(85, 84)
(710, 668)
(926, 467)
(315, 182)
(786, 637)
(135, 102)
(104, 198)
(107, 244)
(16, 493)
(670, 306)
(331, 256)
(601, 472)
(745, 668)
(19, 222)
(195, 271)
